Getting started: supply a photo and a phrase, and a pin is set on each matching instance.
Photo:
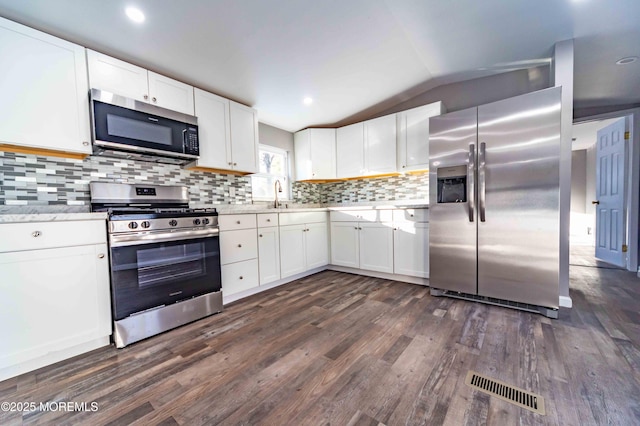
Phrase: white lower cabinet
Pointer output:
(303, 246)
(54, 296)
(316, 245)
(376, 247)
(239, 276)
(238, 253)
(269, 254)
(362, 245)
(411, 250)
(389, 241)
(344, 244)
(239, 245)
(292, 250)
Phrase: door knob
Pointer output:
(595, 202)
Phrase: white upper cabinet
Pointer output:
(380, 145)
(350, 151)
(116, 76)
(43, 91)
(228, 133)
(413, 136)
(214, 133)
(315, 154)
(131, 81)
(367, 148)
(169, 93)
(244, 138)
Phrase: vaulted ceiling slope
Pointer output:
(350, 55)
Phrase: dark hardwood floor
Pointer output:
(342, 349)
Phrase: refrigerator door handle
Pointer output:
(471, 181)
(481, 181)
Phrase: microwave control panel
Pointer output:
(191, 145)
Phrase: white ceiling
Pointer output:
(350, 55)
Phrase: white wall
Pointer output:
(578, 181)
(463, 94)
(273, 136)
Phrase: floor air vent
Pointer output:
(506, 392)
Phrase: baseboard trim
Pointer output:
(565, 302)
(384, 275)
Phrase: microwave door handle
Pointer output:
(471, 181)
(184, 140)
(482, 177)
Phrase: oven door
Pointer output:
(158, 269)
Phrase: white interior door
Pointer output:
(610, 190)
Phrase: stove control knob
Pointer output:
(173, 222)
(145, 224)
(133, 225)
(206, 221)
(196, 221)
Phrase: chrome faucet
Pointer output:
(277, 187)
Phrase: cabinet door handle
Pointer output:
(36, 234)
(154, 99)
(355, 227)
(268, 220)
(85, 143)
(146, 97)
(230, 163)
(241, 277)
(235, 164)
(239, 245)
(101, 256)
(238, 222)
(260, 235)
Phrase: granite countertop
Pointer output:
(16, 214)
(293, 208)
(50, 217)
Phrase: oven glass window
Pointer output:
(135, 129)
(166, 264)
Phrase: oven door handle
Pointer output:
(134, 239)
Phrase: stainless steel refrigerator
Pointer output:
(494, 183)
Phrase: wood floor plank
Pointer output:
(336, 348)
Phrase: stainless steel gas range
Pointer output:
(164, 257)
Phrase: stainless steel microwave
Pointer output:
(128, 128)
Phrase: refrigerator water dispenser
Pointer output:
(452, 184)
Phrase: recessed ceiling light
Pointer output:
(627, 60)
(135, 14)
(307, 101)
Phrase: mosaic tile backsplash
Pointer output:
(408, 187)
(35, 180)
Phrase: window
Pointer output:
(274, 165)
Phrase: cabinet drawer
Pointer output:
(267, 219)
(239, 276)
(43, 235)
(228, 222)
(238, 245)
(302, 218)
(411, 215)
(362, 215)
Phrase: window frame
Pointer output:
(287, 177)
